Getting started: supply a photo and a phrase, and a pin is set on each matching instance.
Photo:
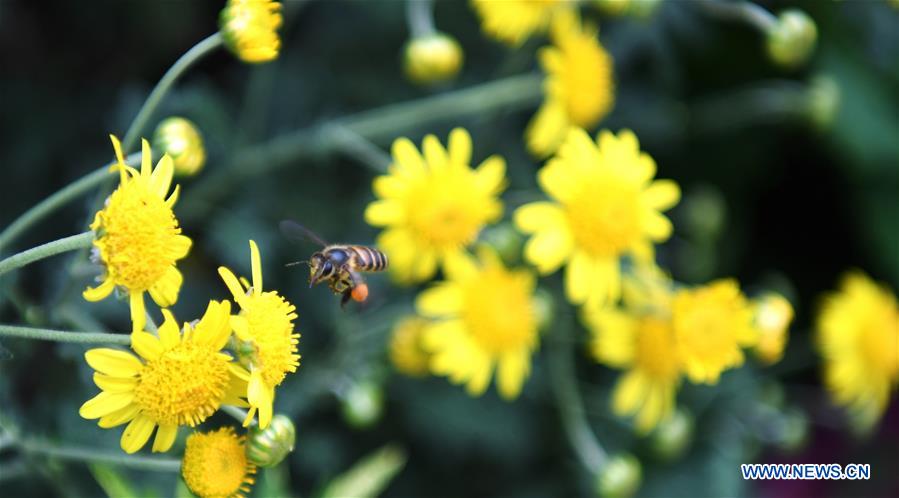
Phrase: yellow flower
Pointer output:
(138, 238)
(605, 206)
(487, 317)
(578, 90)
(433, 207)
(513, 21)
(640, 339)
(265, 322)
(215, 464)
(773, 314)
(432, 58)
(250, 29)
(711, 323)
(858, 336)
(182, 380)
(407, 352)
(180, 139)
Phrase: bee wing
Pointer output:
(298, 233)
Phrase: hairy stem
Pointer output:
(63, 335)
(82, 454)
(66, 244)
(747, 12)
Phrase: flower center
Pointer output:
(604, 217)
(445, 211)
(215, 464)
(270, 320)
(655, 346)
(704, 332)
(184, 386)
(136, 229)
(499, 312)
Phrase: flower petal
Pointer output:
(547, 128)
(113, 384)
(549, 249)
(512, 370)
(138, 311)
(241, 328)
(256, 268)
(100, 292)
(169, 336)
(135, 436)
(460, 147)
(435, 154)
(657, 226)
(384, 213)
(214, 327)
(578, 277)
(105, 403)
(165, 438)
(537, 216)
(165, 291)
(406, 156)
(119, 417)
(146, 345)
(440, 300)
(113, 362)
(661, 195)
(161, 179)
(491, 175)
(146, 159)
(233, 284)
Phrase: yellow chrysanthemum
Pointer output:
(487, 317)
(643, 345)
(605, 206)
(182, 380)
(265, 322)
(773, 314)
(513, 21)
(407, 351)
(250, 29)
(138, 238)
(578, 90)
(858, 336)
(215, 464)
(433, 207)
(711, 324)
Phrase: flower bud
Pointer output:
(772, 316)
(180, 139)
(673, 435)
(792, 38)
(506, 240)
(644, 8)
(823, 101)
(432, 58)
(268, 447)
(794, 430)
(612, 7)
(620, 477)
(249, 29)
(545, 305)
(362, 404)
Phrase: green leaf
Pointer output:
(369, 476)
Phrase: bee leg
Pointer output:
(346, 297)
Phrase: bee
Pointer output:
(340, 265)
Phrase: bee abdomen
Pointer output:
(369, 259)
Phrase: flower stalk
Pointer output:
(63, 335)
(82, 454)
(82, 240)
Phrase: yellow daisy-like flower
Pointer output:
(487, 318)
(138, 238)
(644, 345)
(433, 207)
(773, 314)
(182, 380)
(605, 205)
(215, 464)
(579, 88)
(711, 324)
(265, 322)
(513, 21)
(250, 29)
(407, 351)
(858, 336)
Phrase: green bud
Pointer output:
(612, 7)
(794, 430)
(543, 301)
(362, 404)
(181, 140)
(506, 240)
(704, 212)
(792, 38)
(432, 58)
(644, 8)
(673, 435)
(620, 477)
(268, 447)
(823, 101)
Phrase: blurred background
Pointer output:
(790, 177)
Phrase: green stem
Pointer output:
(197, 52)
(239, 414)
(57, 200)
(63, 335)
(570, 405)
(95, 455)
(420, 17)
(376, 125)
(359, 148)
(66, 244)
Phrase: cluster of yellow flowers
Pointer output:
(601, 222)
(179, 376)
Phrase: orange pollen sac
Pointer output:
(360, 293)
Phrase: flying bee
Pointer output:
(340, 265)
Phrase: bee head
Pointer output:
(320, 268)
